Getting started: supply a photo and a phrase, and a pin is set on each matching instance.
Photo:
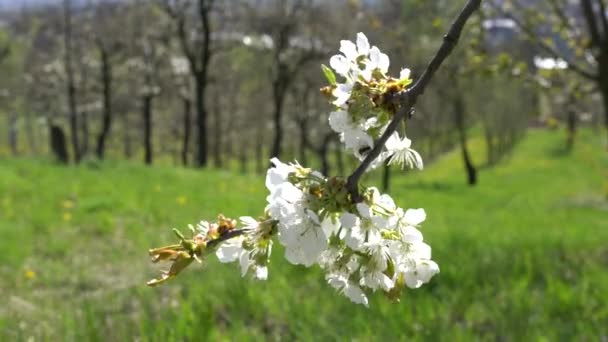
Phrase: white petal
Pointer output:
(383, 63)
(426, 269)
(414, 216)
(410, 234)
(261, 273)
(411, 280)
(245, 263)
(349, 220)
(248, 221)
(364, 210)
(355, 294)
(340, 64)
(349, 49)
(330, 226)
(404, 74)
(362, 44)
(229, 251)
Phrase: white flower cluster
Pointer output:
(252, 250)
(368, 246)
(362, 102)
(362, 246)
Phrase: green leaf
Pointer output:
(329, 75)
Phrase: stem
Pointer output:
(227, 236)
(407, 99)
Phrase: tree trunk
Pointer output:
(187, 123)
(12, 132)
(127, 147)
(147, 116)
(201, 121)
(259, 157)
(571, 126)
(106, 123)
(217, 133)
(302, 146)
(278, 92)
(58, 144)
(459, 112)
(84, 127)
(70, 87)
(603, 80)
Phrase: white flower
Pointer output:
(341, 283)
(340, 64)
(377, 61)
(230, 250)
(249, 222)
(401, 153)
(414, 217)
(342, 93)
(421, 273)
(278, 174)
(304, 242)
(375, 279)
(339, 121)
(356, 139)
(404, 74)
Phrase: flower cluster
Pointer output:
(364, 245)
(372, 245)
(363, 102)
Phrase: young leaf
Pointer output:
(329, 75)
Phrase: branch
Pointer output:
(227, 236)
(591, 22)
(604, 19)
(408, 98)
(533, 36)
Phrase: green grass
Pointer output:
(523, 256)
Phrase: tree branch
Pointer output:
(533, 36)
(408, 98)
(604, 20)
(590, 19)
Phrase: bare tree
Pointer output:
(198, 52)
(582, 25)
(70, 84)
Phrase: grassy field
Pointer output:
(523, 256)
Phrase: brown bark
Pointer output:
(106, 83)
(70, 86)
(187, 123)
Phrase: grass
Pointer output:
(523, 256)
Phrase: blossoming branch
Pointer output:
(359, 237)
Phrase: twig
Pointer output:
(408, 98)
(229, 235)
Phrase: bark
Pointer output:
(84, 127)
(459, 112)
(201, 120)
(603, 83)
(278, 90)
(128, 150)
(259, 157)
(187, 123)
(70, 86)
(58, 144)
(12, 133)
(303, 127)
(217, 133)
(106, 123)
(147, 117)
